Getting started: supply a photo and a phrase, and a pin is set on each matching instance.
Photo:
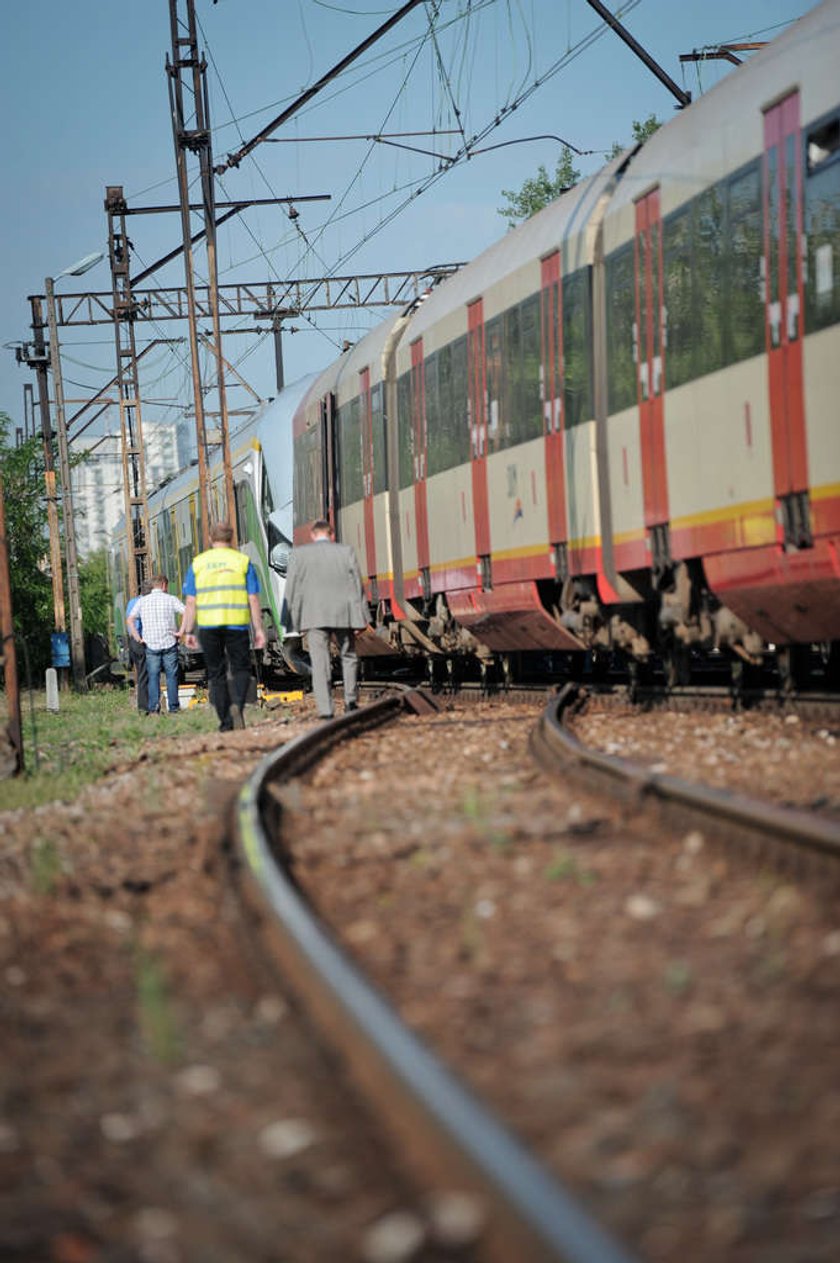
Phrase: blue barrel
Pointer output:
(60, 649)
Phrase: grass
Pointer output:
(479, 809)
(157, 1018)
(65, 751)
(46, 866)
(564, 867)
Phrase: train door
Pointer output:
(173, 563)
(477, 407)
(784, 305)
(329, 456)
(367, 470)
(418, 425)
(650, 364)
(551, 375)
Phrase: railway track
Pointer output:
(443, 1131)
(797, 840)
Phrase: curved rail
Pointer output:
(735, 813)
(446, 1135)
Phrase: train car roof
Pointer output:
(274, 431)
(723, 130)
(562, 222)
(266, 424)
(366, 352)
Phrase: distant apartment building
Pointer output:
(98, 494)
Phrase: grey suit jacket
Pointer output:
(324, 587)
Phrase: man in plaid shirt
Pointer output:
(157, 614)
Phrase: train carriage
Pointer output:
(722, 341)
(617, 427)
(261, 462)
(511, 480)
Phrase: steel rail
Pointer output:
(446, 1136)
(736, 813)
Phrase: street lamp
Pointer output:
(83, 265)
(77, 643)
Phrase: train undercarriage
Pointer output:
(675, 632)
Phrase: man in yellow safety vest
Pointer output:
(222, 598)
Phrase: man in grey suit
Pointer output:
(325, 598)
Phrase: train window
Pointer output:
(454, 377)
(678, 290)
(307, 490)
(445, 381)
(823, 145)
(380, 440)
(173, 564)
(513, 368)
(434, 420)
(709, 273)
(350, 452)
(240, 500)
(577, 347)
(745, 308)
(621, 317)
(266, 498)
(498, 435)
(406, 430)
(822, 225)
(522, 371)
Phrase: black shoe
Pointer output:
(351, 706)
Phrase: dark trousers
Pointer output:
(223, 648)
(137, 657)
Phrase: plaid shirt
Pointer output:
(158, 612)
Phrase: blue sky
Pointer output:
(83, 92)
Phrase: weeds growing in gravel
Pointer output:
(90, 733)
(479, 810)
(156, 1016)
(564, 867)
(46, 866)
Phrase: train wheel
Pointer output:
(484, 667)
(677, 664)
(793, 663)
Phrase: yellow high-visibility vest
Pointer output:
(220, 594)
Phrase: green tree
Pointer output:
(641, 132)
(537, 191)
(26, 533)
(95, 594)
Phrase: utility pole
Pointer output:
(187, 70)
(8, 657)
(128, 387)
(77, 644)
(37, 357)
(277, 331)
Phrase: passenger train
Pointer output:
(618, 429)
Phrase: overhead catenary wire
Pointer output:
(466, 151)
(468, 148)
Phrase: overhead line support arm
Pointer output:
(234, 159)
(682, 96)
